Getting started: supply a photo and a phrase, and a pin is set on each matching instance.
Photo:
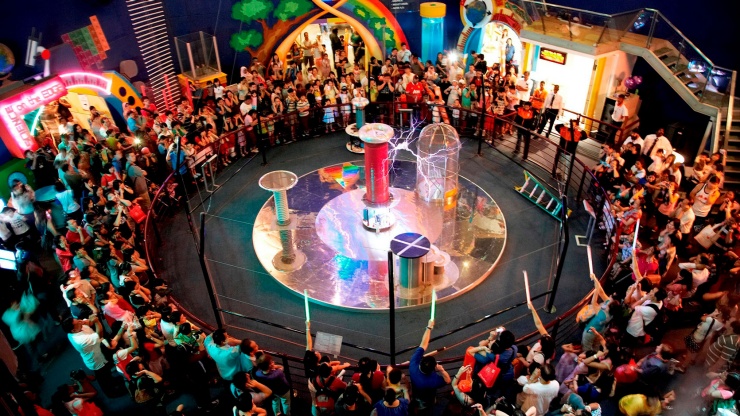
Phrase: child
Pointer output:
(328, 115)
(345, 108)
(456, 113)
(241, 137)
(303, 107)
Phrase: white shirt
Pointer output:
(658, 165)
(636, 141)
(539, 395)
(87, 343)
(620, 113)
(662, 143)
(697, 276)
(168, 330)
(554, 101)
(218, 91)
(522, 83)
(643, 315)
(686, 221)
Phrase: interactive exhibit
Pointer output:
(446, 232)
(31, 109)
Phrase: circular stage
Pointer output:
(339, 262)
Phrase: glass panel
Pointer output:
(203, 62)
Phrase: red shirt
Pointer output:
(65, 259)
(107, 179)
(74, 236)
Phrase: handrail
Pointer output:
(546, 5)
(298, 331)
(665, 19)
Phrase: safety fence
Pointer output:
(565, 173)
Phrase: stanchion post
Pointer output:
(561, 259)
(206, 274)
(261, 140)
(392, 308)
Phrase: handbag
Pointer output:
(28, 303)
(691, 343)
(489, 373)
(465, 382)
(137, 214)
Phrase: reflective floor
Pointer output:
(326, 250)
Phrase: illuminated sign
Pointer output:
(553, 56)
(14, 108)
(87, 80)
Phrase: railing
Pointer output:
(647, 28)
(539, 155)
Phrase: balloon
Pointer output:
(637, 79)
(629, 83)
(625, 374)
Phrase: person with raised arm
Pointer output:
(426, 375)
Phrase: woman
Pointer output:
(276, 68)
(391, 405)
(76, 404)
(509, 52)
(441, 64)
(723, 391)
(63, 254)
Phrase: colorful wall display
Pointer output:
(89, 44)
(272, 27)
(476, 14)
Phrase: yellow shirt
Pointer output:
(637, 404)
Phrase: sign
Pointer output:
(553, 56)
(13, 109)
(87, 80)
(402, 6)
(328, 343)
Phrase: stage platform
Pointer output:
(244, 286)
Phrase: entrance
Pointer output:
(496, 37)
(321, 31)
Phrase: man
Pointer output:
(417, 67)
(404, 55)
(394, 56)
(654, 367)
(524, 86)
(248, 356)
(73, 179)
(553, 106)
(540, 388)
(619, 115)
(81, 259)
(77, 234)
(307, 51)
(137, 176)
(224, 350)
(570, 135)
(538, 102)
(525, 118)
(723, 351)
(655, 142)
(645, 311)
(426, 375)
(480, 63)
(470, 75)
(87, 342)
(336, 43)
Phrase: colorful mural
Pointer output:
(285, 20)
(89, 44)
(476, 14)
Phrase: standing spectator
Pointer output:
(723, 351)
(272, 376)
(539, 389)
(137, 176)
(87, 342)
(553, 106)
(224, 350)
(22, 198)
(426, 375)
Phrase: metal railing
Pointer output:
(540, 155)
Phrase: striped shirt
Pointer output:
(724, 348)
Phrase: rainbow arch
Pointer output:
(375, 9)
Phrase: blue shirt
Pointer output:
(425, 385)
(175, 161)
(505, 359)
(226, 358)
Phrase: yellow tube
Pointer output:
(595, 86)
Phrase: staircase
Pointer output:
(539, 195)
(732, 168)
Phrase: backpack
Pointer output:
(657, 327)
(325, 396)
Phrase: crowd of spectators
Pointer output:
(133, 340)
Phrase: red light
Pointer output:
(45, 54)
